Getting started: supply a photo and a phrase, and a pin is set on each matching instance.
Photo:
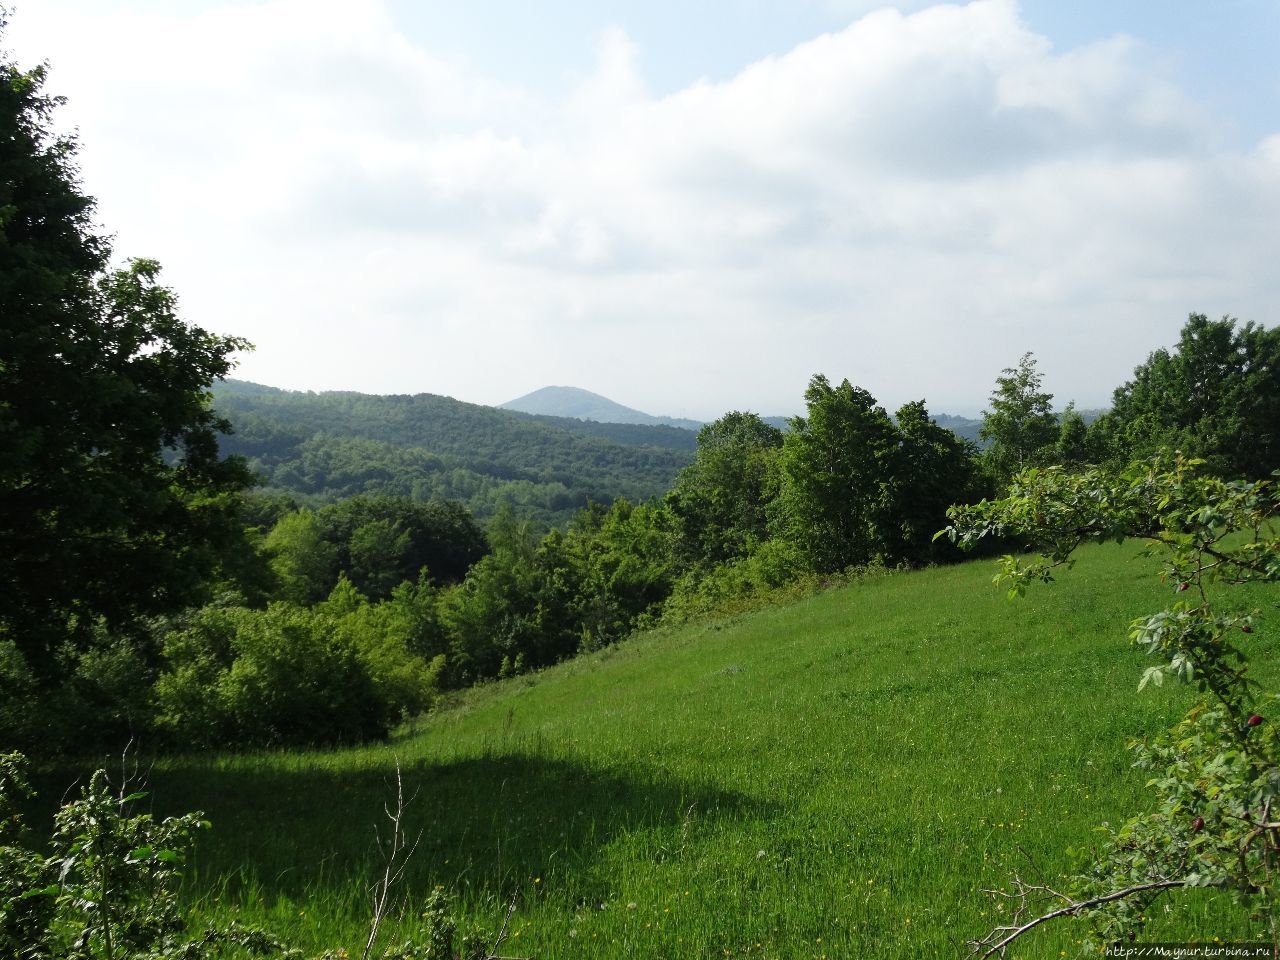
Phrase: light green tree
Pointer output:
(1020, 427)
(304, 562)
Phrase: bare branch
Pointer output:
(396, 857)
(502, 934)
(1005, 935)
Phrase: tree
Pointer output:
(304, 562)
(836, 467)
(382, 540)
(377, 550)
(1020, 425)
(114, 501)
(625, 568)
(487, 616)
(932, 469)
(719, 501)
(1216, 396)
(1074, 446)
(1216, 775)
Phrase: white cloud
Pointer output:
(911, 202)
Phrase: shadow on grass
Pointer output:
(488, 825)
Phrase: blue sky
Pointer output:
(1225, 51)
(687, 207)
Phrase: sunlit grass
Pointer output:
(837, 778)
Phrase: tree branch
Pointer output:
(1073, 907)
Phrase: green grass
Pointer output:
(836, 778)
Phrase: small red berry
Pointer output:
(1254, 720)
(1245, 628)
(1197, 824)
(1182, 586)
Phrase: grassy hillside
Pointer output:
(835, 778)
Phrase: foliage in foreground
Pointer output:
(115, 502)
(1215, 775)
(108, 888)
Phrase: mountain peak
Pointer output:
(584, 405)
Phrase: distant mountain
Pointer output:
(584, 405)
(964, 427)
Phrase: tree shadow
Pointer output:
(485, 826)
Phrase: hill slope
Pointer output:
(585, 405)
(834, 778)
(321, 446)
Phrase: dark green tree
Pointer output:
(1076, 446)
(1215, 396)
(932, 470)
(836, 469)
(382, 540)
(1020, 427)
(114, 501)
(377, 550)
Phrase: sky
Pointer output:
(689, 208)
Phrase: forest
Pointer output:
(323, 447)
(198, 564)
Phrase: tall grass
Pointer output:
(836, 778)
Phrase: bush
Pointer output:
(104, 701)
(285, 675)
(109, 888)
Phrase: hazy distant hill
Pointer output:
(969, 427)
(966, 427)
(563, 405)
(585, 405)
(324, 446)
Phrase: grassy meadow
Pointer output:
(835, 778)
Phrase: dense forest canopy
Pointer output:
(322, 447)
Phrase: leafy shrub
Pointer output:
(384, 636)
(108, 889)
(104, 700)
(776, 572)
(282, 675)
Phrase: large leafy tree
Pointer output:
(932, 470)
(114, 501)
(719, 501)
(1020, 426)
(836, 476)
(1215, 395)
(382, 541)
